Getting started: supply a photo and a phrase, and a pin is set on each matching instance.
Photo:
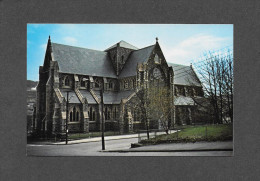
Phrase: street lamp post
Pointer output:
(102, 117)
(67, 115)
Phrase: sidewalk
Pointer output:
(182, 147)
(108, 138)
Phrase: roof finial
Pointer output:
(49, 40)
(156, 39)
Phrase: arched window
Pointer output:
(106, 113)
(94, 116)
(115, 113)
(82, 83)
(77, 116)
(97, 83)
(70, 116)
(74, 114)
(67, 81)
(90, 114)
(110, 85)
(156, 59)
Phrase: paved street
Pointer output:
(121, 147)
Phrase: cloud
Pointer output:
(192, 48)
(70, 40)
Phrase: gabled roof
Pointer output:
(84, 61)
(184, 75)
(114, 97)
(137, 56)
(73, 98)
(124, 45)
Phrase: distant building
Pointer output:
(121, 70)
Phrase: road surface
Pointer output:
(94, 149)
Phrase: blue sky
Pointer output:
(182, 44)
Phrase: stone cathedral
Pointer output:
(119, 71)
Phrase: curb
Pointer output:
(195, 150)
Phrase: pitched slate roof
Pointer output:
(184, 75)
(124, 45)
(73, 98)
(110, 97)
(137, 56)
(88, 96)
(84, 61)
(183, 101)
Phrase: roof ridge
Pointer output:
(143, 48)
(119, 42)
(178, 64)
(78, 47)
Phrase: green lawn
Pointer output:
(90, 135)
(196, 133)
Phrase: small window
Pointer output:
(97, 83)
(122, 59)
(67, 81)
(82, 83)
(126, 85)
(110, 85)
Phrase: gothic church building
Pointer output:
(120, 71)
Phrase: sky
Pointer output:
(181, 43)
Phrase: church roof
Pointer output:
(184, 75)
(84, 61)
(110, 97)
(183, 101)
(73, 98)
(124, 45)
(137, 56)
(88, 96)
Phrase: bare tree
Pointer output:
(161, 105)
(216, 75)
(144, 102)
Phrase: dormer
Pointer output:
(119, 54)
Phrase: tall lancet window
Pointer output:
(156, 59)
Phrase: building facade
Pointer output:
(77, 76)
